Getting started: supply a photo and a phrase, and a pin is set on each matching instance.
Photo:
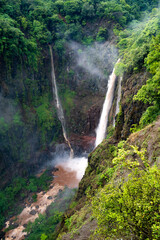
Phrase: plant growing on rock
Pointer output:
(130, 206)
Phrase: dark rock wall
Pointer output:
(130, 111)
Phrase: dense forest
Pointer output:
(30, 128)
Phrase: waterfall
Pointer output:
(101, 129)
(58, 103)
(118, 98)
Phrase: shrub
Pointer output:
(130, 207)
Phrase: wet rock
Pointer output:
(80, 143)
(30, 200)
(55, 169)
(33, 212)
(37, 206)
(15, 225)
(93, 116)
(131, 111)
(50, 197)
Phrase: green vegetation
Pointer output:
(129, 205)
(18, 190)
(67, 97)
(127, 188)
(27, 25)
(15, 130)
(102, 34)
(76, 221)
(125, 201)
(43, 224)
(110, 131)
(26, 29)
(139, 46)
(135, 41)
(150, 93)
(45, 118)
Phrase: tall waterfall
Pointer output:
(118, 98)
(58, 103)
(101, 129)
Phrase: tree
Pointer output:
(129, 207)
(150, 92)
(88, 10)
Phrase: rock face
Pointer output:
(131, 111)
(98, 162)
(21, 149)
(85, 71)
(85, 115)
(93, 118)
(101, 157)
(82, 74)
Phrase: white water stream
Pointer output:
(58, 103)
(118, 98)
(101, 129)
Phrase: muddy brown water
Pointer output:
(64, 176)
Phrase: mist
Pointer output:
(61, 158)
(8, 109)
(97, 60)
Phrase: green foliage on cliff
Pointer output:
(150, 93)
(139, 47)
(26, 25)
(131, 208)
(129, 204)
(135, 41)
(125, 202)
(45, 118)
(102, 34)
(67, 97)
(44, 224)
(38, 119)
(26, 29)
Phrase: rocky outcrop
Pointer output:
(130, 110)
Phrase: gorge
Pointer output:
(79, 129)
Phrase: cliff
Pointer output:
(87, 38)
(82, 221)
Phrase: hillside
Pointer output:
(119, 195)
(39, 126)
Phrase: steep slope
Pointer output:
(80, 222)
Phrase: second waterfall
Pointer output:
(58, 103)
(101, 129)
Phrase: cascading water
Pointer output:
(58, 103)
(118, 98)
(101, 129)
